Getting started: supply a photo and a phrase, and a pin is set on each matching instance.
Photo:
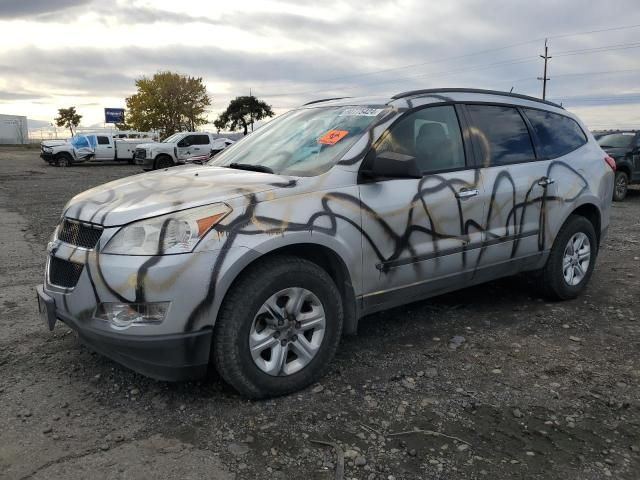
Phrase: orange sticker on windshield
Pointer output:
(332, 137)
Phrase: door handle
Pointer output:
(109, 147)
(546, 181)
(466, 193)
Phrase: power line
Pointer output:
(444, 59)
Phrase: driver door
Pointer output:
(421, 235)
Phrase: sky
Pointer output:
(88, 53)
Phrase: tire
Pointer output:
(239, 322)
(163, 161)
(552, 281)
(620, 186)
(64, 160)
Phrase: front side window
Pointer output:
(80, 142)
(557, 135)
(616, 140)
(303, 142)
(103, 140)
(501, 135)
(431, 136)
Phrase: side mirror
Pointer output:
(390, 165)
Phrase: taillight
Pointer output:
(611, 162)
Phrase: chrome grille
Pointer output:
(64, 273)
(79, 234)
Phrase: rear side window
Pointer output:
(557, 135)
(431, 135)
(199, 140)
(501, 135)
(103, 140)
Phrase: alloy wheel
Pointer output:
(287, 332)
(576, 259)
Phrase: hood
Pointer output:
(53, 143)
(157, 193)
(154, 144)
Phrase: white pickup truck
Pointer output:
(178, 149)
(89, 147)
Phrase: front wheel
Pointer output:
(571, 260)
(163, 161)
(620, 186)
(63, 161)
(283, 336)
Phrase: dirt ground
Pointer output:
(490, 382)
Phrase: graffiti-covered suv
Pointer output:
(259, 261)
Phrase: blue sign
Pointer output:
(114, 115)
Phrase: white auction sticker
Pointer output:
(361, 112)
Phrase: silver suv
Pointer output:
(259, 261)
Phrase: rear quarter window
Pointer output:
(557, 135)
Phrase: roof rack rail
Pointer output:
(323, 100)
(412, 93)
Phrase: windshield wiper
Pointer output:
(250, 167)
(607, 146)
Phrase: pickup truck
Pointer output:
(89, 147)
(177, 149)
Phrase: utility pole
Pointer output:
(544, 77)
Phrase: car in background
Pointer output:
(624, 147)
(176, 149)
(89, 148)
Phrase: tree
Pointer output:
(242, 112)
(168, 102)
(68, 118)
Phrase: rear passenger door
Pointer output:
(104, 148)
(516, 184)
(422, 235)
(636, 159)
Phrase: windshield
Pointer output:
(303, 142)
(616, 140)
(172, 138)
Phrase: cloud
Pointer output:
(291, 51)
(8, 96)
(30, 9)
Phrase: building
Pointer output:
(13, 130)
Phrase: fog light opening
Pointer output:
(121, 316)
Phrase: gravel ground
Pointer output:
(490, 382)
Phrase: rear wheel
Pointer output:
(163, 161)
(282, 337)
(620, 187)
(571, 261)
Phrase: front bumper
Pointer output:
(177, 357)
(145, 163)
(47, 157)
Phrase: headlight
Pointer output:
(177, 232)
